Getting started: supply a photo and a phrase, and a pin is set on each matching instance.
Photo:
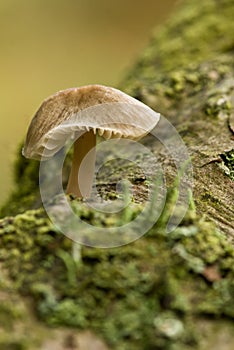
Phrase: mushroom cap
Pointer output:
(105, 110)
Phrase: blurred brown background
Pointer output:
(50, 45)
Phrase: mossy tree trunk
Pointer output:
(162, 291)
(187, 74)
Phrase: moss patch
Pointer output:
(164, 290)
(139, 296)
(193, 35)
(228, 160)
(26, 192)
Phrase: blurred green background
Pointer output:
(50, 45)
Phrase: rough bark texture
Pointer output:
(163, 291)
(187, 74)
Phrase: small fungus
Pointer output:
(80, 114)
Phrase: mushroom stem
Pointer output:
(81, 176)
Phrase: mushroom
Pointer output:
(81, 113)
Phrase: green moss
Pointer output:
(158, 292)
(200, 82)
(15, 318)
(12, 345)
(217, 106)
(228, 160)
(186, 40)
(26, 193)
(125, 294)
(208, 197)
(8, 314)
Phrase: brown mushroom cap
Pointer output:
(116, 114)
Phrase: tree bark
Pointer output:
(162, 291)
(187, 74)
